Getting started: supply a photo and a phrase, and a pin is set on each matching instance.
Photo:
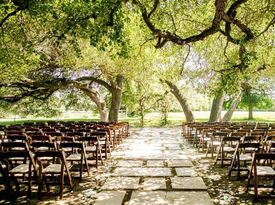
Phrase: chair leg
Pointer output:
(217, 157)
(61, 185)
(29, 182)
(86, 164)
(255, 187)
(40, 180)
(81, 167)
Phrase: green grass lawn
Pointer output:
(151, 119)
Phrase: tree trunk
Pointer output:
(215, 114)
(94, 96)
(141, 106)
(228, 115)
(250, 104)
(116, 91)
(103, 114)
(182, 100)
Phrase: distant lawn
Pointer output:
(151, 119)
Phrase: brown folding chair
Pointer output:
(262, 171)
(226, 149)
(76, 152)
(242, 157)
(57, 167)
(93, 148)
(18, 173)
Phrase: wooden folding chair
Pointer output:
(18, 173)
(58, 167)
(215, 142)
(242, 157)
(226, 149)
(76, 152)
(93, 148)
(262, 168)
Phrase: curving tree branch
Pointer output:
(271, 23)
(97, 80)
(165, 36)
(13, 13)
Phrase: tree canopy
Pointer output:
(110, 49)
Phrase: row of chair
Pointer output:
(30, 159)
(242, 146)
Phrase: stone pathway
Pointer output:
(153, 167)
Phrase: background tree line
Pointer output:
(85, 54)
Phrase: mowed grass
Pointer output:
(176, 118)
(153, 119)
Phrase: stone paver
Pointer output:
(154, 183)
(115, 183)
(180, 163)
(130, 163)
(170, 198)
(186, 172)
(135, 171)
(110, 198)
(188, 198)
(188, 183)
(144, 157)
(148, 198)
(155, 163)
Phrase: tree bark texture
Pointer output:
(116, 91)
(142, 108)
(216, 109)
(228, 115)
(182, 100)
(250, 104)
(94, 96)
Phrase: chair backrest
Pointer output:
(231, 139)
(67, 139)
(14, 146)
(41, 138)
(255, 138)
(74, 134)
(246, 146)
(50, 153)
(43, 145)
(18, 137)
(9, 156)
(14, 154)
(37, 133)
(14, 132)
(91, 140)
(74, 146)
(270, 138)
(99, 133)
(264, 156)
(223, 134)
(238, 134)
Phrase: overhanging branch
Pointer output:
(165, 36)
(13, 13)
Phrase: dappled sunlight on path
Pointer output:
(153, 167)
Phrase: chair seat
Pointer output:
(215, 143)
(251, 149)
(45, 158)
(206, 139)
(228, 149)
(17, 158)
(265, 171)
(245, 157)
(91, 149)
(52, 168)
(20, 169)
(74, 157)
